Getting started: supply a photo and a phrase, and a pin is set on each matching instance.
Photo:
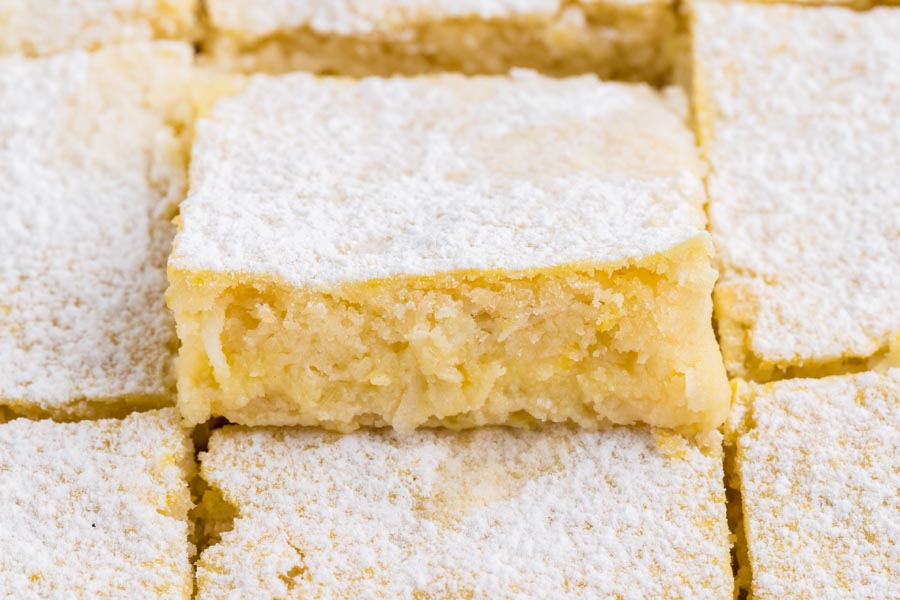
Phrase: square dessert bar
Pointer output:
(486, 513)
(818, 465)
(798, 112)
(624, 39)
(445, 251)
(92, 165)
(96, 508)
(42, 27)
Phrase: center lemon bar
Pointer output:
(446, 251)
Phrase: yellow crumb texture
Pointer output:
(587, 345)
(636, 41)
(43, 27)
(96, 509)
(816, 464)
(554, 512)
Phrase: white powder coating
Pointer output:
(95, 509)
(40, 27)
(91, 170)
(254, 19)
(487, 513)
(820, 474)
(804, 151)
(319, 181)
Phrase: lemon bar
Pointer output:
(818, 462)
(42, 27)
(445, 251)
(797, 109)
(486, 513)
(635, 40)
(92, 165)
(96, 508)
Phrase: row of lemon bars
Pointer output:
(443, 254)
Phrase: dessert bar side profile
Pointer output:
(514, 249)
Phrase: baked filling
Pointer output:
(616, 40)
(587, 344)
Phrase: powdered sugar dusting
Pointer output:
(486, 513)
(820, 474)
(320, 181)
(91, 170)
(805, 156)
(40, 27)
(95, 509)
(255, 18)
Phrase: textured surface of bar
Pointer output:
(486, 513)
(797, 110)
(92, 166)
(635, 40)
(42, 27)
(446, 251)
(818, 464)
(96, 508)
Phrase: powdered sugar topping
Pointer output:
(485, 513)
(91, 171)
(805, 167)
(820, 470)
(319, 181)
(96, 508)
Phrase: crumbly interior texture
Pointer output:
(581, 344)
(92, 166)
(816, 461)
(802, 183)
(96, 508)
(554, 512)
(636, 41)
(514, 248)
(43, 27)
